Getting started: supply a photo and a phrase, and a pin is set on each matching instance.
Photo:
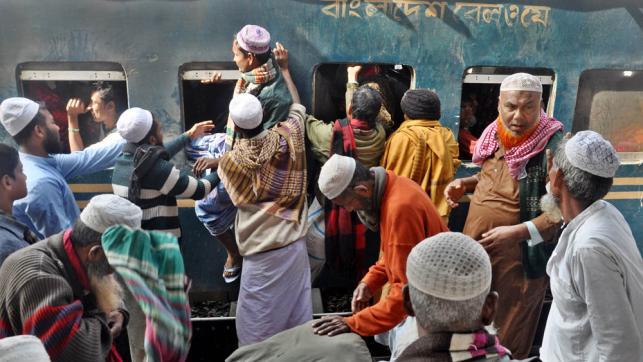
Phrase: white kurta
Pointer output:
(596, 276)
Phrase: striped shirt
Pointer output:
(160, 188)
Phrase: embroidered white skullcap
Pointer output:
(134, 124)
(16, 113)
(335, 175)
(23, 348)
(521, 82)
(108, 210)
(449, 266)
(245, 111)
(590, 152)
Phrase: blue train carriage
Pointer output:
(587, 53)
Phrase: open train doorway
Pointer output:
(479, 101)
(200, 101)
(55, 83)
(330, 84)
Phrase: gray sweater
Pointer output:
(41, 295)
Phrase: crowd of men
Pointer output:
(536, 219)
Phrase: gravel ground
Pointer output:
(210, 308)
(336, 301)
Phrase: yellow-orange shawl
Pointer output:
(427, 153)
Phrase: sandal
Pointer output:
(234, 270)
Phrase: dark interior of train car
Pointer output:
(200, 101)
(206, 102)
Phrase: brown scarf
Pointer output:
(269, 170)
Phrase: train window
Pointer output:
(329, 88)
(54, 83)
(206, 101)
(479, 102)
(610, 102)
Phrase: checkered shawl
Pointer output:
(260, 75)
(151, 265)
(274, 180)
(516, 157)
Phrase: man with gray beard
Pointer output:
(596, 271)
(62, 289)
(449, 294)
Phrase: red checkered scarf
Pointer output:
(345, 235)
(516, 157)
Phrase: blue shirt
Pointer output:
(50, 206)
(13, 236)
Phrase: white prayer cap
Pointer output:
(108, 210)
(590, 152)
(335, 175)
(246, 111)
(22, 348)
(134, 124)
(449, 266)
(16, 113)
(521, 82)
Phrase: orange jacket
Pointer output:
(407, 216)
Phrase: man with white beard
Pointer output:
(596, 271)
(62, 289)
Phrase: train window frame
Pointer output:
(68, 73)
(316, 68)
(197, 71)
(494, 75)
(591, 82)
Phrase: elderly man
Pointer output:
(449, 293)
(62, 289)
(421, 149)
(362, 137)
(50, 206)
(404, 215)
(596, 269)
(265, 175)
(504, 215)
(14, 235)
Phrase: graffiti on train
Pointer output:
(479, 13)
